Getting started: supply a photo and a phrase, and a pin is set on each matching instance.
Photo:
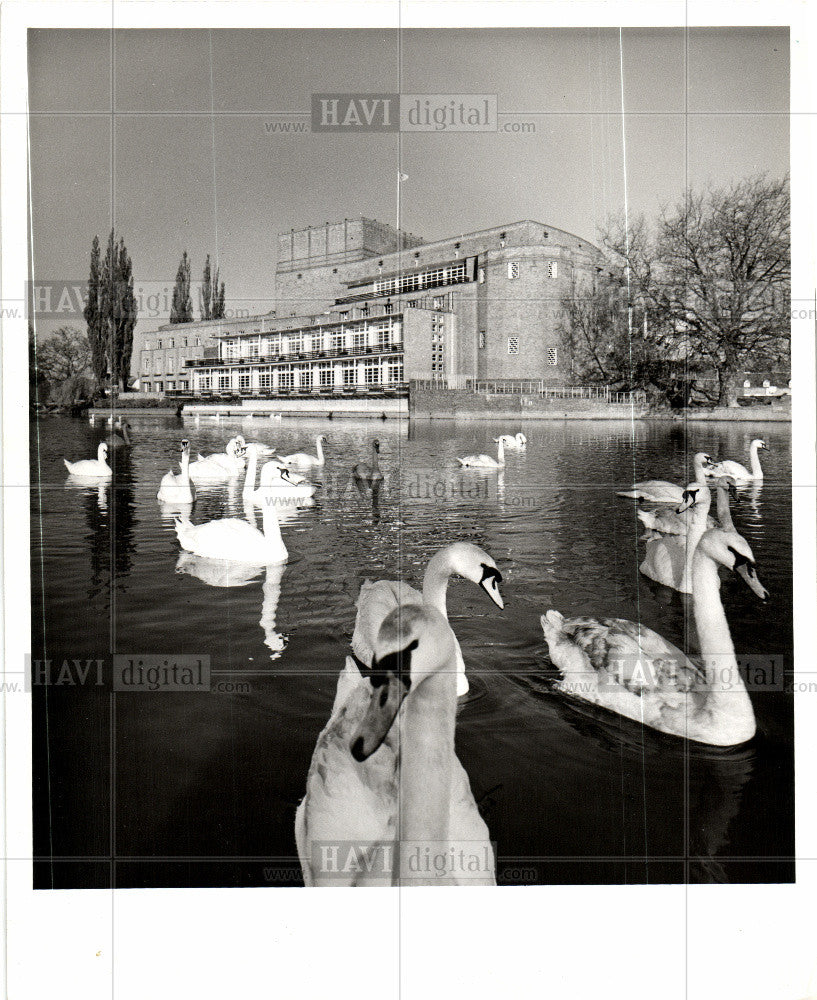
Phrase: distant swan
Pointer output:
(262, 450)
(740, 472)
(632, 670)
(121, 432)
(235, 539)
(231, 459)
(277, 482)
(670, 522)
(178, 488)
(513, 442)
(660, 491)
(668, 558)
(389, 786)
(301, 457)
(378, 599)
(369, 471)
(92, 468)
(485, 461)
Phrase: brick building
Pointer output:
(363, 307)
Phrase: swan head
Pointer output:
(186, 448)
(376, 445)
(102, 452)
(759, 444)
(474, 564)
(413, 643)
(236, 447)
(732, 551)
(702, 461)
(695, 495)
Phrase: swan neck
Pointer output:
(375, 459)
(500, 451)
(435, 582)
(249, 478)
(319, 448)
(754, 459)
(724, 512)
(426, 755)
(185, 463)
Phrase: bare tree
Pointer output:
(716, 278)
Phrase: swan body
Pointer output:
(261, 449)
(377, 600)
(231, 461)
(485, 461)
(661, 491)
(301, 458)
(235, 539)
(92, 468)
(631, 670)
(369, 471)
(668, 558)
(385, 773)
(179, 488)
(121, 433)
(513, 442)
(740, 472)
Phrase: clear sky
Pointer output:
(705, 108)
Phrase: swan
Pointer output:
(92, 468)
(235, 539)
(485, 461)
(301, 458)
(740, 472)
(660, 491)
(632, 670)
(121, 433)
(369, 471)
(395, 789)
(377, 599)
(670, 522)
(668, 558)
(513, 442)
(231, 459)
(277, 482)
(178, 488)
(262, 450)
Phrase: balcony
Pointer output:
(352, 352)
(389, 391)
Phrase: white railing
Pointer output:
(531, 387)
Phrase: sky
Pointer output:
(166, 135)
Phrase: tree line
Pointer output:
(705, 294)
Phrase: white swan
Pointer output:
(92, 468)
(668, 558)
(235, 539)
(369, 471)
(277, 482)
(632, 670)
(301, 457)
(232, 459)
(740, 472)
(660, 491)
(178, 488)
(670, 522)
(121, 433)
(513, 442)
(377, 600)
(395, 788)
(262, 450)
(485, 461)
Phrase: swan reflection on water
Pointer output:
(90, 486)
(225, 573)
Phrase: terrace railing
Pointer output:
(533, 387)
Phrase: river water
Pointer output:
(200, 789)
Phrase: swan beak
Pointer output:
(391, 683)
(687, 501)
(491, 579)
(747, 571)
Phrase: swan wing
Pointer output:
(346, 800)
(729, 468)
(665, 560)
(374, 602)
(657, 490)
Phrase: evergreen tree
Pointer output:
(93, 318)
(206, 291)
(181, 309)
(117, 310)
(218, 298)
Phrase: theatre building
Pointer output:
(362, 308)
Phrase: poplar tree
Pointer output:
(181, 309)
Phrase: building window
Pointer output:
(513, 269)
(481, 275)
(338, 340)
(244, 381)
(482, 340)
(325, 379)
(224, 381)
(205, 382)
(296, 344)
(147, 345)
(358, 340)
(553, 269)
(348, 371)
(158, 345)
(553, 356)
(198, 341)
(265, 379)
(388, 308)
(395, 369)
(513, 345)
(171, 386)
(305, 378)
(146, 365)
(170, 342)
(183, 342)
(371, 373)
(383, 335)
(286, 379)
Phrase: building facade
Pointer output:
(362, 307)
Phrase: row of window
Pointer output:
(452, 275)
(300, 377)
(165, 386)
(382, 334)
(514, 270)
(168, 342)
(552, 355)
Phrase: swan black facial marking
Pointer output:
(742, 561)
(688, 495)
(488, 572)
(398, 664)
